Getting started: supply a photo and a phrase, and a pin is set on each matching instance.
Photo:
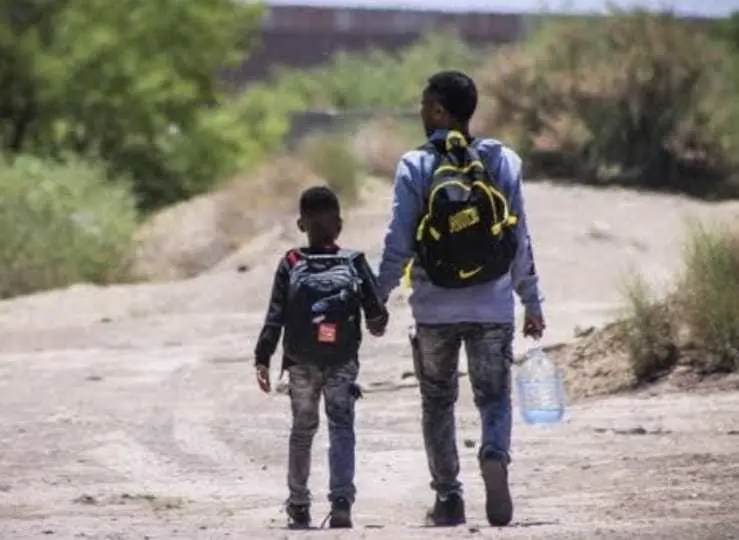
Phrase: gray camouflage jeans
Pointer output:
(337, 384)
(436, 359)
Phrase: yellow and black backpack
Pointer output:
(466, 234)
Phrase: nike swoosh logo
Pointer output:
(468, 274)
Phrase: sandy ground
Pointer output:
(130, 412)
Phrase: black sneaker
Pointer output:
(298, 516)
(498, 503)
(341, 514)
(448, 511)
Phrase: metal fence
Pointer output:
(305, 36)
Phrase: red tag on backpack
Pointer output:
(293, 256)
(327, 333)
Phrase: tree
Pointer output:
(126, 81)
(729, 30)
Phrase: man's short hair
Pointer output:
(318, 200)
(456, 92)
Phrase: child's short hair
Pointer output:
(318, 200)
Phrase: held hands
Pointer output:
(377, 326)
(262, 375)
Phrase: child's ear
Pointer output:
(301, 225)
(339, 225)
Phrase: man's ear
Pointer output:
(339, 226)
(442, 114)
(300, 224)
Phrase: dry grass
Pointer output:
(192, 237)
(248, 205)
(701, 316)
(709, 299)
(331, 157)
(189, 238)
(380, 143)
(649, 331)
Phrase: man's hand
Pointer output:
(263, 378)
(533, 326)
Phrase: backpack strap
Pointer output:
(294, 256)
(492, 177)
(438, 147)
(347, 253)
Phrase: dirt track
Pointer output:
(130, 412)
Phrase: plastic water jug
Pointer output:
(541, 391)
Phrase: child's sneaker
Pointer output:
(298, 516)
(341, 514)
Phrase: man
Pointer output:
(480, 316)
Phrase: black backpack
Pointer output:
(466, 234)
(323, 307)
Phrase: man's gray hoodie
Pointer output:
(489, 302)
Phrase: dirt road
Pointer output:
(130, 412)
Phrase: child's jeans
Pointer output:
(337, 384)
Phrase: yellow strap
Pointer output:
(407, 275)
(463, 170)
(455, 139)
(421, 225)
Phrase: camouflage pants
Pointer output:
(337, 384)
(436, 359)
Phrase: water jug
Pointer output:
(541, 392)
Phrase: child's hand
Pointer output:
(263, 378)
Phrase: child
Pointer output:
(317, 294)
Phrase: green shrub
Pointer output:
(331, 157)
(235, 137)
(634, 98)
(62, 223)
(709, 295)
(376, 80)
(698, 323)
(135, 84)
(649, 332)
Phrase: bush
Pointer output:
(381, 142)
(698, 320)
(331, 157)
(635, 98)
(649, 332)
(710, 295)
(63, 223)
(134, 84)
(235, 137)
